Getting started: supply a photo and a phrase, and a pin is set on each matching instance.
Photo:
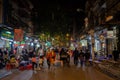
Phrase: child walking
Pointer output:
(40, 63)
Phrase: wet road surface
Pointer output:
(63, 73)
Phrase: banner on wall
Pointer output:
(18, 35)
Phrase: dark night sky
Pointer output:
(58, 15)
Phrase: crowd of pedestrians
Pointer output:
(45, 60)
(81, 57)
(52, 57)
(42, 59)
(5, 57)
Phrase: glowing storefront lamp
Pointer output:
(10, 43)
(67, 34)
(8, 32)
(22, 46)
(83, 44)
(26, 38)
(14, 42)
(32, 44)
(38, 45)
(28, 43)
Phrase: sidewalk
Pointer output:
(109, 67)
(4, 73)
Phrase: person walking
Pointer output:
(48, 54)
(87, 57)
(76, 55)
(1, 59)
(115, 54)
(81, 57)
(34, 64)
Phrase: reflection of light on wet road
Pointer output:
(64, 73)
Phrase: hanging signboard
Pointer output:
(7, 34)
(18, 35)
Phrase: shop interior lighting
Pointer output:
(28, 43)
(27, 38)
(6, 39)
(32, 44)
(14, 42)
(38, 45)
(10, 42)
(22, 46)
(36, 41)
(8, 32)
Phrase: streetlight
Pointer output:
(78, 10)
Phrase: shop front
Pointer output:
(6, 37)
(89, 43)
(100, 43)
(105, 41)
(84, 45)
(111, 40)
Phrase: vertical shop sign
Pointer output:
(18, 35)
(7, 34)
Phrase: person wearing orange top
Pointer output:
(52, 55)
(34, 64)
(52, 60)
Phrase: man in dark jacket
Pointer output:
(87, 55)
(81, 57)
(1, 59)
(115, 54)
(75, 55)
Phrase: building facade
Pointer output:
(14, 14)
(103, 23)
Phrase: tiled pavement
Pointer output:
(61, 73)
(4, 73)
(109, 67)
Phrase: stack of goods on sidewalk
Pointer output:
(25, 65)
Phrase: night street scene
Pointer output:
(59, 39)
